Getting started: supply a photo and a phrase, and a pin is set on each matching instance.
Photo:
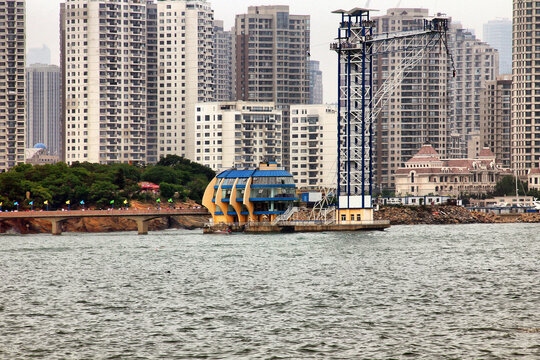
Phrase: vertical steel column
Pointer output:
(370, 55)
(339, 114)
(363, 116)
(349, 116)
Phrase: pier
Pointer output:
(141, 217)
(298, 226)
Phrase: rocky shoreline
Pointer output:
(445, 215)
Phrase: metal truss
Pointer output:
(358, 104)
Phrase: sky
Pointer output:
(43, 27)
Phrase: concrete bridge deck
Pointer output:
(142, 217)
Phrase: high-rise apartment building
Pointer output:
(315, 83)
(476, 63)
(43, 107)
(105, 81)
(417, 112)
(496, 122)
(186, 71)
(63, 103)
(314, 145)
(498, 34)
(237, 134)
(133, 72)
(152, 73)
(224, 48)
(272, 50)
(12, 83)
(525, 87)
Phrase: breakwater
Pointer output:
(447, 215)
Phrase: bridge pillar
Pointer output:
(56, 226)
(142, 226)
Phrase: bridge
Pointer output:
(141, 217)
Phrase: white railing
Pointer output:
(286, 215)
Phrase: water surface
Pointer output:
(428, 292)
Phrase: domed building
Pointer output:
(255, 195)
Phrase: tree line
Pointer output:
(98, 186)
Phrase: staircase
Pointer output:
(286, 215)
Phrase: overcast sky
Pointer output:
(42, 21)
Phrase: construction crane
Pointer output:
(359, 104)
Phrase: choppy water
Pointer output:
(432, 292)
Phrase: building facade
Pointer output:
(314, 146)
(105, 81)
(498, 34)
(43, 107)
(225, 66)
(186, 75)
(133, 71)
(427, 174)
(255, 195)
(496, 122)
(315, 83)
(12, 83)
(417, 112)
(237, 134)
(533, 179)
(476, 63)
(525, 87)
(272, 49)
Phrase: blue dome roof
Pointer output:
(40, 146)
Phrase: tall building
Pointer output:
(43, 107)
(105, 81)
(186, 71)
(314, 145)
(498, 34)
(12, 83)
(133, 72)
(417, 112)
(476, 63)
(152, 73)
(272, 49)
(63, 88)
(237, 134)
(525, 87)
(224, 48)
(315, 83)
(40, 55)
(496, 122)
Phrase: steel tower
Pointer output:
(359, 103)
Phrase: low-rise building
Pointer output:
(417, 200)
(533, 178)
(39, 155)
(427, 174)
(237, 134)
(504, 201)
(252, 195)
(314, 145)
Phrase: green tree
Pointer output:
(102, 192)
(158, 174)
(507, 186)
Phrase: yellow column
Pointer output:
(223, 206)
(236, 205)
(249, 204)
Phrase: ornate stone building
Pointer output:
(426, 173)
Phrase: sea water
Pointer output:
(422, 292)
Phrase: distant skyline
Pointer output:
(43, 18)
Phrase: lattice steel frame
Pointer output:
(358, 106)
